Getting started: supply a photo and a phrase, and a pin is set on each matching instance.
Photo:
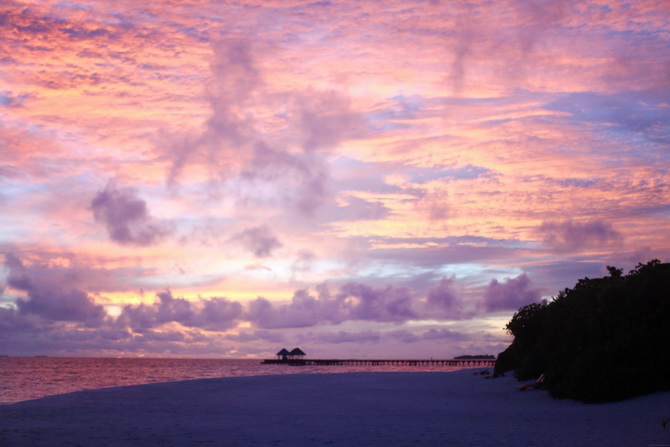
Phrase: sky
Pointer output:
(362, 179)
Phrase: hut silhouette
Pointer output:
(296, 354)
(283, 354)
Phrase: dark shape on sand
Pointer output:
(530, 386)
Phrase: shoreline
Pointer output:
(364, 409)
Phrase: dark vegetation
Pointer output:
(475, 357)
(607, 339)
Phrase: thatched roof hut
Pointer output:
(283, 354)
(296, 354)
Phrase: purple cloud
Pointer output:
(405, 336)
(126, 217)
(258, 240)
(443, 334)
(363, 302)
(354, 301)
(229, 127)
(236, 69)
(52, 296)
(304, 310)
(305, 177)
(442, 298)
(326, 118)
(360, 209)
(303, 263)
(434, 204)
(216, 314)
(510, 294)
(345, 337)
(570, 237)
(266, 336)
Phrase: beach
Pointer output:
(354, 409)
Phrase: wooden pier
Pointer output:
(367, 362)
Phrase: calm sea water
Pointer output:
(25, 378)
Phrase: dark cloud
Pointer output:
(11, 322)
(71, 305)
(215, 314)
(29, 334)
(258, 240)
(126, 217)
(52, 296)
(570, 237)
(510, 294)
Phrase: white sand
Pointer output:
(359, 409)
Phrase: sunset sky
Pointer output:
(358, 178)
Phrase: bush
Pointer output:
(604, 340)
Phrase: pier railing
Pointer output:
(394, 362)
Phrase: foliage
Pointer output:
(606, 339)
(475, 357)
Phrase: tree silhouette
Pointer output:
(604, 340)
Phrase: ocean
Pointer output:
(26, 378)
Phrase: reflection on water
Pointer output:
(25, 378)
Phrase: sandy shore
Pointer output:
(358, 409)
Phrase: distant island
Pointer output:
(475, 357)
